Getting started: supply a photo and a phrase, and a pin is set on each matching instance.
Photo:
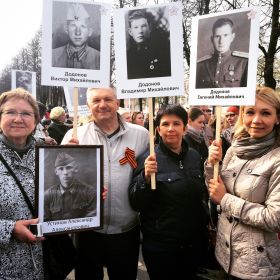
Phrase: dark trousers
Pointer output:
(171, 263)
(118, 252)
(225, 276)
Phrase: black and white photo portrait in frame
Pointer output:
(69, 185)
(71, 193)
(76, 35)
(148, 43)
(25, 80)
(223, 51)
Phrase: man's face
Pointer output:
(78, 32)
(222, 38)
(103, 104)
(66, 174)
(139, 30)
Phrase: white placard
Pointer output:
(76, 43)
(25, 80)
(149, 62)
(224, 65)
(82, 101)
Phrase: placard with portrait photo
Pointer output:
(82, 101)
(149, 62)
(25, 80)
(76, 43)
(69, 185)
(224, 56)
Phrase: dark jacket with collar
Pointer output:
(173, 213)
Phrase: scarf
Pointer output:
(250, 148)
(20, 151)
(195, 134)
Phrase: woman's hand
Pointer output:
(22, 233)
(215, 152)
(150, 165)
(217, 190)
(104, 193)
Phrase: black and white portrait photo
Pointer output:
(148, 45)
(25, 80)
(224, 56)
(76, 43)
(76, 35)
(70, 184)
(223, 51)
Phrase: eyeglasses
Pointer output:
(230, 115)
(14, 114)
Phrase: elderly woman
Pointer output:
(248, 191)
(20, 250)
(58, 128)
(173, 219)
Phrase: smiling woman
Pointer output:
(248, 192)
(20, 250)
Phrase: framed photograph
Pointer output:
(82, 101)
(224, 58)
(25, 80)
(69, 183)
(148, 60)
(75, 43)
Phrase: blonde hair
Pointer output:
(20, 93)
(267, 95)
(56, 112)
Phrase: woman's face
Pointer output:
(171, 129)
(198, 123)
(260, 119)
(17, 120)
(139, 119)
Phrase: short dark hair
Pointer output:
(176, 110)
(221, 22)
(195, 113)
(136, 14)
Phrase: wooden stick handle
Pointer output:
(75, 108)
(218, 113)
(152, 147)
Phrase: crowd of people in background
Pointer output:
(242, 205)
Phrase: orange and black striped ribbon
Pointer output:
(129, 157)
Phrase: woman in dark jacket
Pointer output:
(173, 219)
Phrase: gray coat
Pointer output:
(247, 245)
(18, 260)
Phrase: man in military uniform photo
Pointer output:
(77, 53)
(24, 80)
(70, 198)
(148, 54)
(225, 68)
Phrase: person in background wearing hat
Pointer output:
(70, 198)
(225, 68)
(58, 128)
(77, 53)
(116, 246)
(227, 135)
(148, 54)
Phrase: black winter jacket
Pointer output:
(173, 213)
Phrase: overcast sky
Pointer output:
(19, 21)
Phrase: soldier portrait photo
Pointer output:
(76, 35)
(68, 196)
(24, 80)
(148, 43)
(222, 51)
